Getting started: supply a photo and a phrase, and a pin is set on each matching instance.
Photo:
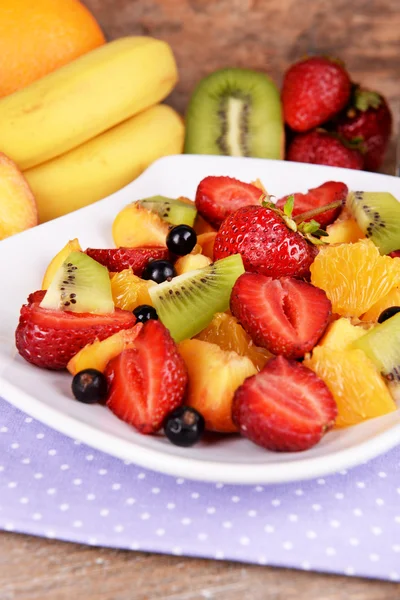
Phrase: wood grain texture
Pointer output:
(205, 35)
(34, 569)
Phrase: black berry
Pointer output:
(181, 240)
(145, 312)
(159, 271)
(90, 386)
(387, 313)
(184, 426)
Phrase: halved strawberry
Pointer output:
(218, 197)
(149, 381)
(118, 259)
(285, 407)
(287, 316)
(50, 338)
(328, 192)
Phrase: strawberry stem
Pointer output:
(308, 214)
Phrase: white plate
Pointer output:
(46, 395)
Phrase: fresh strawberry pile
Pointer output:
(330, 119)
(150, 381)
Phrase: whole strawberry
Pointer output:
(266, 243)
(323, 148)
(368, 119)
(314, 90)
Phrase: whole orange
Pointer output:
(38, 36)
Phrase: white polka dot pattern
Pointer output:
(56, 487)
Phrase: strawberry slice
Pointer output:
(147, 382)
(50, 338)
(118, 259)
(328, 192)
(287, 316)
(395, 254)
(218, 197)
(285, 407)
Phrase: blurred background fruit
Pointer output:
(17, 204)
(38, 36)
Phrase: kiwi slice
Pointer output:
(80, 285)
(382, 345)
(378, 216)
(175, 211)
(187, 303)
(235, 112)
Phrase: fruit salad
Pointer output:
(236, 313)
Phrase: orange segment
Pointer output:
(206, 241)
(225, 331)
(354, 276)
(391, 299)
(202, 226)
(129, 291)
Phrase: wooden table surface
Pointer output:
(205, 35)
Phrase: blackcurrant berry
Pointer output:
(184, 426)
(387, 313)
(145, 312)
(159, 271)
(90, 386)
(181, 240)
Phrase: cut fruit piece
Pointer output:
(343, 231)
(285, 407)
(134, 227)
(218, 197)
(214, 376)
(148, 381)
(391, 299)
(174, 211)
(191, 262)
(18, 210)
(235, 112)
(206, 241)
(286, 316)
(331, 191)
(56, 263)
(97, 354)
(354, 276)
(80, 285)
(129, 291)
(119, 259)
(225, 331)
(202, 226)
(378, 216)
(359, 390)
(340, 334)
(381, 344)
(187, 303)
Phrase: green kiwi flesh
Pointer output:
(174, 211)
(235, 112)
(80, 285)
(187, 303)
(382, 346)
(378, 216)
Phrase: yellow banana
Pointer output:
(106, 163)
(84, 98)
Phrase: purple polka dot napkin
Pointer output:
(53, 486)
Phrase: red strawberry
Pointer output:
(285, 407)
(286, 316)
(218, 197)
(147, 382)
(328, 192)
(265, 242)
(314, 90)
(367, 119)
(50, 338)
(118, 259)
(322, 148)
(395, 254)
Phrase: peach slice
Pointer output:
(135, 226)
(202, 226)
(99, 353)
(191, 262)
(57, 261)
(206, 241)
(214, 376)
(18, 210)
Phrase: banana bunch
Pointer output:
(92, 126)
